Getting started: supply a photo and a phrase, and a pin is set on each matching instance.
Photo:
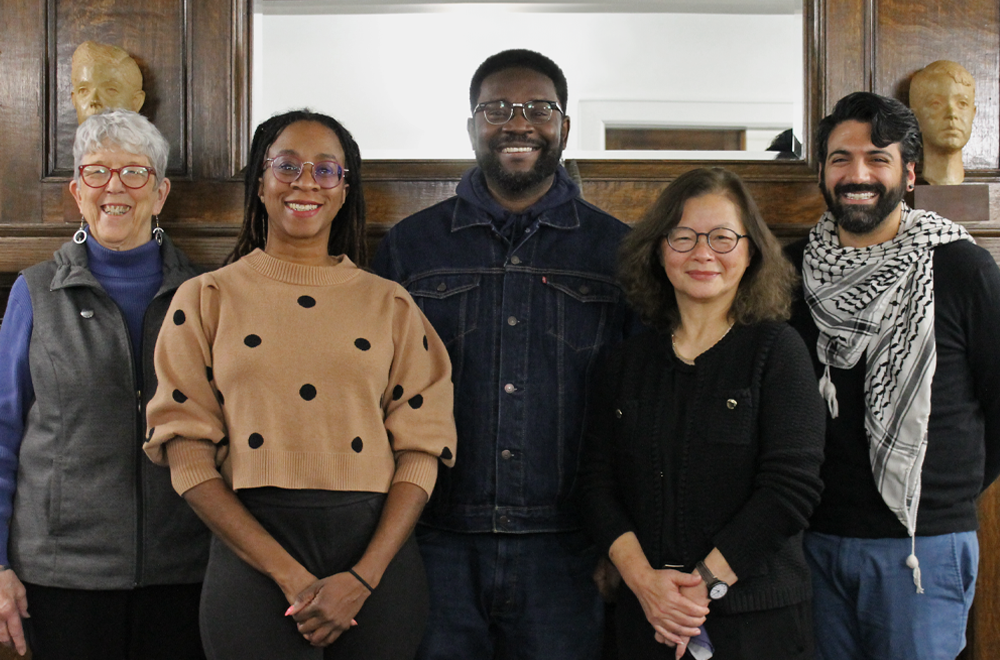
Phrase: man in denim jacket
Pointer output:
(517, 275)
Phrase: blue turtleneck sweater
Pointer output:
(131, 278)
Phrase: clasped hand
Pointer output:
(327, 607)
(674, 603)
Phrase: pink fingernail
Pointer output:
(288, 612)
(353, 622)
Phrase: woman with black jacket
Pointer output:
(705, 436)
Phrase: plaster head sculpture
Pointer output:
(104, 77)
(943, 97)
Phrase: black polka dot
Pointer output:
(209, 374)
(307, 392)
(307, 301)
(179, 317)
(222, 399)
(362, 343)
(357, 445)
(446, 454)
(179, 396)
(224, 442)
(392, 440)
(397, 393)
(253, 341)
(416, 402)
(425, 343)
(256, 440)
(149, 435)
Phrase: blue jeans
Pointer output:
(508, 596)
(865, 603)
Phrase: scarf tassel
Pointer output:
(829, 392)
(914, 564)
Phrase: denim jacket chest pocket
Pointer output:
(579, 309)
(449, 301)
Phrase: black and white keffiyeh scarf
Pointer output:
(878, 301)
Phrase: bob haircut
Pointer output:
(764, 292)
(890, 122)
(519, 58)
(121, 130)
(347, 235)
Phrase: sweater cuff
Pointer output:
(417, 467)
(192, 462)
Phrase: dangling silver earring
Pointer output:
(157, 231)
(80, 236)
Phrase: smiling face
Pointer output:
(119, 217)
(300, 214)
(945, 109)
(863, 184)
(703, 275)
(518, 157)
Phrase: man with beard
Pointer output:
(900, 310)
(517, 275)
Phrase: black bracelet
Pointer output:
(361, 580)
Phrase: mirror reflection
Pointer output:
(715, 79)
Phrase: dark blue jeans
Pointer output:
(508, 596)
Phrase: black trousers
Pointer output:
(242, 610)
(146, 623)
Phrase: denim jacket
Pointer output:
(525, 303)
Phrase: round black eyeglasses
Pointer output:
(721, 239)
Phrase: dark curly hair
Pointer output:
(890, 121)
(764, 292)
(518, 58)
(347, 235)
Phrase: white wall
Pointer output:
(400, 82)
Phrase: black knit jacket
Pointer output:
(748, 476)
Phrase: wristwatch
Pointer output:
(716, 587)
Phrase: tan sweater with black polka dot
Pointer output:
(276, 374)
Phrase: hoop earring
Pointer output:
(158, 231)
(80, 236)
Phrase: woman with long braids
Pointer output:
(303, 407)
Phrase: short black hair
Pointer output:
(347, 236)
(890, 122)
(518, 58)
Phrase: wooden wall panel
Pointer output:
(22, 97)
(910, 34)
(845, 49)
(154, 33)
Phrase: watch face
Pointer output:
(718, 590)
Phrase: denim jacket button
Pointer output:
(584, 289)
(511, 320)
(504, 520)
(87, 313)
(506, 454)
(442, 287)
(618, 413)
(731, 403)
(515, 260)
(509, 388)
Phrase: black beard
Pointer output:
(518, 182)
(863, 220)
